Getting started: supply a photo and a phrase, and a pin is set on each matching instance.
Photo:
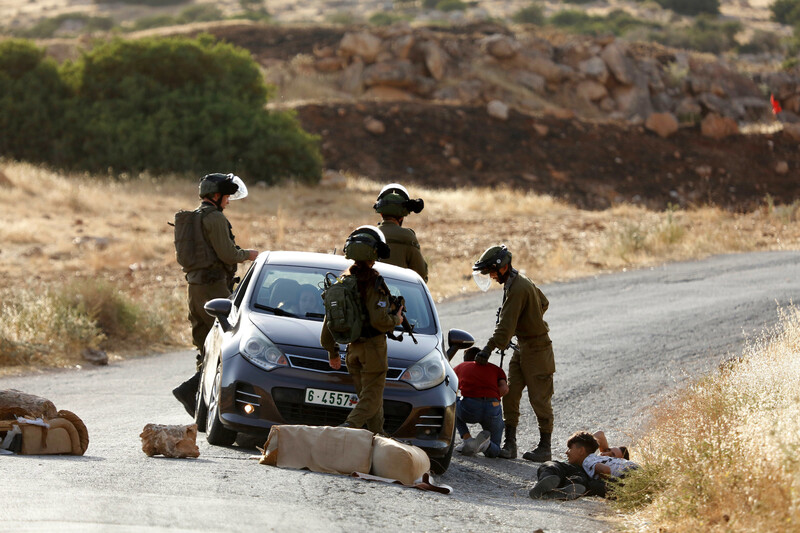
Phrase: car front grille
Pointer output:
(430, 423)
(321, 365)
(293, 409)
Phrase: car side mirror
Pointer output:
(458, 339)
(220, 308)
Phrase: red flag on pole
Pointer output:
(776, 106)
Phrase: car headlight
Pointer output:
(262, 352)
(427, 372)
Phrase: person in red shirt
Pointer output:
(481, 388)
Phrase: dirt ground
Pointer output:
(590, 165)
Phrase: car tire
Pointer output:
(200, 410)
(439, 465)
(216, 433)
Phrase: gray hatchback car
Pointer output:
(264, 364)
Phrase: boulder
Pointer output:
(781, 167)
(361, 44)
(550, 71)
(718, 127)
(398, 73)
(595, 68)
(497, 109)
(328, 64)
(591, 90)
(534, 82)
(500, 46)
(96, 357)
(688, 110)
(617, 61)
(352, 78)
(435, 59)
(170, 441)
(374, 126)
(663, 124)
(401, 46)
(792, 130)
(633, 101)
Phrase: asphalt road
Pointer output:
(622, 342)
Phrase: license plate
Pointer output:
(331, 398)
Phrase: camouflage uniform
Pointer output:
(533, 365)
(405, 250)
(367, 360)
(216, 281)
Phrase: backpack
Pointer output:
(343, 308)
(192, 250)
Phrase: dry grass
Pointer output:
(723, 454)
(62, 228)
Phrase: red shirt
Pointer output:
(478, 381)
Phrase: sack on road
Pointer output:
(394, 460)
(30, 425)
(332, 450)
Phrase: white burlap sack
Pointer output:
(395, 460)
(333, 450)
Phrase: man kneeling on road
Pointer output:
(481, 388)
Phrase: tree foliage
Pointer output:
(691, 7)
(164, 105)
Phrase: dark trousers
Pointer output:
(569, 474)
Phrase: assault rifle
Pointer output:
(395, 302)
(511, 346)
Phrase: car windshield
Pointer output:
(297, 292)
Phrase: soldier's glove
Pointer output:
(482, 357)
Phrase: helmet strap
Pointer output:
(503, 277)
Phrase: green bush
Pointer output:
(532, 14)
(154, 3)
(762, 42)
(200, 13)
(691, 7)
(618, 22)
(382, 18)
(156, 21)
(705, 35)
(47, 28)
(785, 11)
(162, 105)
(451, 5)
(183, 105)
(32, 103)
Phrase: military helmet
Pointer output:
(492, 260)
(366, 243)
(393, 200)
(225, 184)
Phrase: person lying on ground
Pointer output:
(559, 480)
(481, 388)
(621, 452)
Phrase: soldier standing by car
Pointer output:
(533, 364)
(207, 240)
(394, 204)
(367, 360)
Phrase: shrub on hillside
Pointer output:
(32, 100)
(617, 22)
(181, 105)
(451, 5)
(691, 7)
(785, 11)
(532, 14)
(154, 3)
(705, 35)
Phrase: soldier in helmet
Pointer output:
(394, 204)
(215, 278)
(532, 365)
(366, 360)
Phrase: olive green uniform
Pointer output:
(405, 250)
(216, 281)
(533, 364)
(367, 360)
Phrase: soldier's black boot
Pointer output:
(509, 449)
(541, 453)
(186, 393)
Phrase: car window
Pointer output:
(297, 291)
(242, 287)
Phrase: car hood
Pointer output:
(296, 332)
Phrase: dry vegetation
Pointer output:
(723, 454)
(61, 229)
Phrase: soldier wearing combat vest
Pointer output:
(532, 364)
(214, 277)
(394, 204)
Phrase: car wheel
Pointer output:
(200, 410)
(216, 433)
(439, 465)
